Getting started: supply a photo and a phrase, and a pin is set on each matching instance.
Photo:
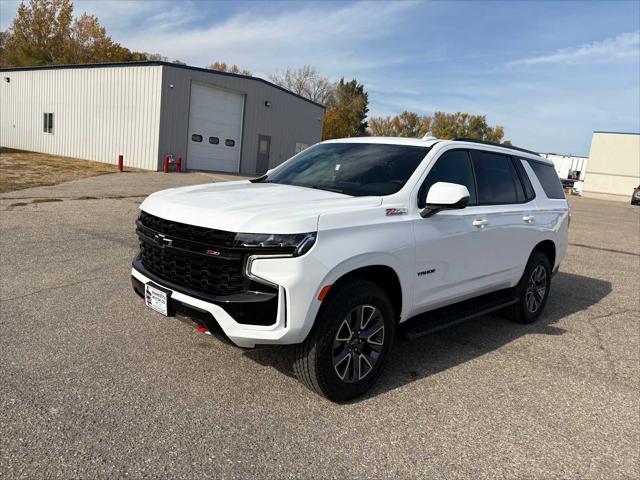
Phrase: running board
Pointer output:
(428, 322)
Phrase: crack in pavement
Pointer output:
(623, 252)
(57, 287)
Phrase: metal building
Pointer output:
(614, 165)
(145, 110)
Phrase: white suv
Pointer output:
(352, 240)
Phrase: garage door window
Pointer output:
(230, 143)
(196, 138)
(214, 140)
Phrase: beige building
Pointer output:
(614, 165)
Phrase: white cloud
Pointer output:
(623, 46)
(334, 40)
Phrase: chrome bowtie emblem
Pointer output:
(164, 241)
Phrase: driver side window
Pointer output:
(453, 166)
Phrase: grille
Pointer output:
(218, 238)
(185, 262)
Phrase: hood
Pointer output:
(248, 207)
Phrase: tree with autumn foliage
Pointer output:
(45, 32)
(223, 67)
(441, 125)
(346, 114)
(406, 124)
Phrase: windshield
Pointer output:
(357, 169)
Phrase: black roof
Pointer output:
(157, 63)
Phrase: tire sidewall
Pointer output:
(330, 318)
(535, 260)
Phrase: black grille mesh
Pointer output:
(219, 238)
(187, 265)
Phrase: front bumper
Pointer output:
(283, 321)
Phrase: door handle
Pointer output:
(481, 223)
(528, 218)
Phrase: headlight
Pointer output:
(297, 243)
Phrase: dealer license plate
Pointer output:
(156, 299)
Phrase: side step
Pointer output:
(428, 322)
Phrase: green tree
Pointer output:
(223, 67)
(44, 32)
(346, 114)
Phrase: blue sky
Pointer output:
(549, 72)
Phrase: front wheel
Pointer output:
(533, 289)
(343, 355)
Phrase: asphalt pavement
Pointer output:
(95, 385)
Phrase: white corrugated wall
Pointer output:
(99, 113)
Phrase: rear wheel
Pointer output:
(343, 355)
(533, 289)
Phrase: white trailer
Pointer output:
(568, 167)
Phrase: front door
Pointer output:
(450, 249)
(264, 146)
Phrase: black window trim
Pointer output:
(473, 175)
(510, 157)
(524, 178)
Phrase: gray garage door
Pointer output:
(215, 129)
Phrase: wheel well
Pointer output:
(548, 248)
(383, 276)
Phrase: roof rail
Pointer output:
(485, 142)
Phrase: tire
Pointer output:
(330, 361)
(533, 289)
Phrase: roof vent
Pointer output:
(428, 137)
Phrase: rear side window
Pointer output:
(548, 179)
(496, 179)
(453, 166)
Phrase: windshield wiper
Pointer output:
(328, 189)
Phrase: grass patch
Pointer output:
(20, 170)
(46, 200)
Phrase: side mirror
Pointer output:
(445, 196)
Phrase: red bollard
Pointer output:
(166, 164)
(179, 164)
(120, 163)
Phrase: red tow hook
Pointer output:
(202, 329)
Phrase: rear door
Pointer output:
(506, 210)
(264, 147)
